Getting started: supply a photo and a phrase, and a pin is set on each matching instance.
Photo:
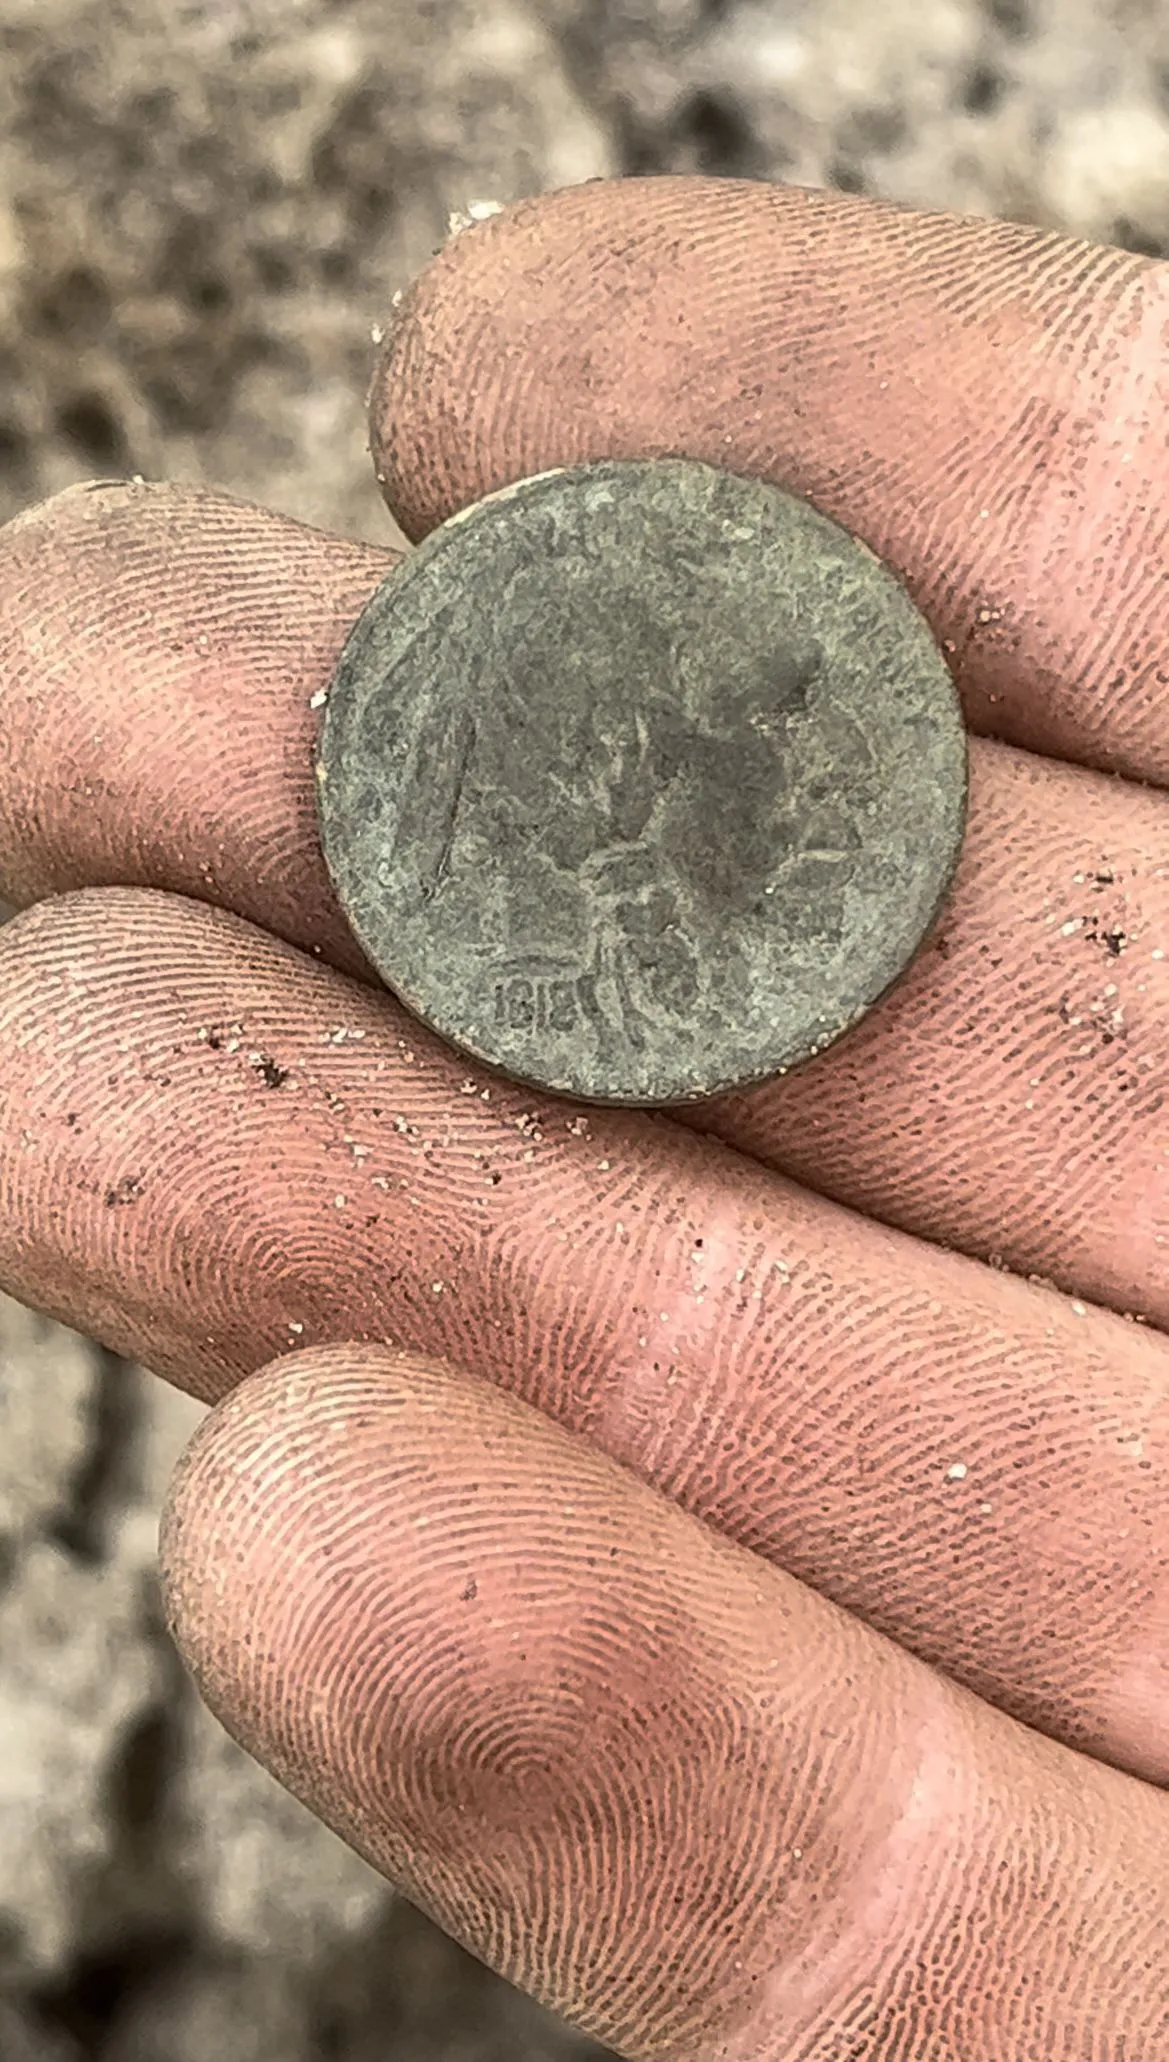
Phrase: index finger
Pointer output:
(983, 403)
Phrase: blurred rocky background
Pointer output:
(205, 207)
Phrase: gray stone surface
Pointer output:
(49, 1381)
(672, 814)
(268, 1879)
(25, 2038)
(255, 2011)
(78, 1680)
(205, 206)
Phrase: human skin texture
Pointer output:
(717, 1565)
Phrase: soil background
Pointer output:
(205, 208)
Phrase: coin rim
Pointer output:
(740, 1084)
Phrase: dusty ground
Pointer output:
(204, 206)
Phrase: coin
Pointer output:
(641, 781)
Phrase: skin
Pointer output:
(718, 1568)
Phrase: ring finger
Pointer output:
(213, 1151)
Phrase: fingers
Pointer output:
(1009, 1095)
(653, 1781)
(159, 651)
(213, 1150)
(1007, 1098)
(984, 404)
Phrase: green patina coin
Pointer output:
(641, 781)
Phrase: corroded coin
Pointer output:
(641, 781)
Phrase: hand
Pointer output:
(523, 1559)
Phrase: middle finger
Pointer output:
(160, 653)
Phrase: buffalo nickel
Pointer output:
(641, 781)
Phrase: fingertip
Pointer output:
(183, 1537)
(976, 400)
(78, 501)
(230, 1498)
(32, 939)
(420, 366)
(682, 1801)
(163, 650)
(34, 543)
(501, 1668)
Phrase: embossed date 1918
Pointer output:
(533, 1003)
